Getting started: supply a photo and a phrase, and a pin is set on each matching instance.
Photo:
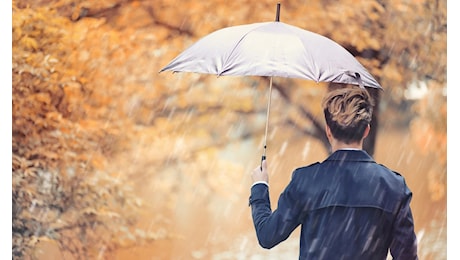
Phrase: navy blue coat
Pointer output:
(349, 207)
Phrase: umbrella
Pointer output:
(273, 49)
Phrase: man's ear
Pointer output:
(366, 131)
(328, 132)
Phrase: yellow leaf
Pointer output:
(29, 43)
(42, 97)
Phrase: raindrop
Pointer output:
(283, 148)
(101, 252)
(32, 207)
(306, 150)
(243, 244)
(171, 114)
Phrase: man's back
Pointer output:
(352, 205)
(349, 208)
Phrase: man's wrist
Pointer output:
(260, 182)
(254, 184)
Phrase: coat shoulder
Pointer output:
(306, 170)
(397, 174)
(308, 167)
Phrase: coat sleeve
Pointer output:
(404, 242)
(274, 227)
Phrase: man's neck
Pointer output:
(337, 145)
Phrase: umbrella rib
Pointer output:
(236, 45)
(312, 60)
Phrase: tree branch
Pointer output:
(318, 132)
(170, 27)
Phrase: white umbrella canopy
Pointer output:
(272, 49)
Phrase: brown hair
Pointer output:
(348, 111)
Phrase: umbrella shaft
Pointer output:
(268, 114)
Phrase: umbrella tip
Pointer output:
(360, 81)
(278, 7)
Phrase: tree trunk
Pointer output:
(369, 142)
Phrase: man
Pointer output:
(348, 206)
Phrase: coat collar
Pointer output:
(350, 155)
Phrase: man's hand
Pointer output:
(260, 175)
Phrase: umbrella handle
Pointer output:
(263, 159)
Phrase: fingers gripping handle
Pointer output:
(263, 159)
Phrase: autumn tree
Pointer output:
(63, 140)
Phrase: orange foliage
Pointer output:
(91, 115)
(429, 130)
(61, 186)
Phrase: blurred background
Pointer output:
(113, 160)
